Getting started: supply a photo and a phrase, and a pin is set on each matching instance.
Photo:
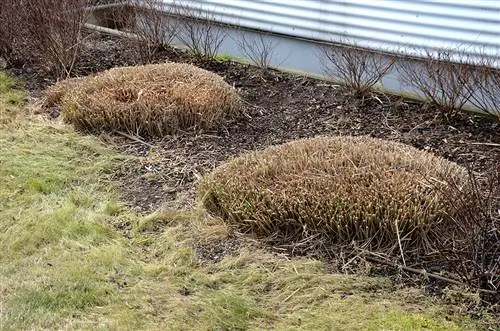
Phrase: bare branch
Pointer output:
(483, 85)
(358, 69)
(472, 245)
(439, 79)
(200, 31)
(50, 31)
(8, 33)
(153, 22)
(260, 50)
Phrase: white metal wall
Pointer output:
(389, 25)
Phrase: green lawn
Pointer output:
(64, 264)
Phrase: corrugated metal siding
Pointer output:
(397, 25)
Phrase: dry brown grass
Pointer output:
(350, 188)
(53, 95)
(151, 100)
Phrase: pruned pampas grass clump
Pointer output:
(349, 188)
(149, 100)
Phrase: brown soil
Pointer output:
(280, 107)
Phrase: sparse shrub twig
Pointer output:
(8, 29)
(153, 24)
(473, 244)
(200, 31)
(358, 69)
(483, 86)
(54, 28)
(259, 50)
(439, 78)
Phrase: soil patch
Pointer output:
(216, 250)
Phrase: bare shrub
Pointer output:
(150, 100)
(200, 31)
(8, 28)
(258, 50)
(153, 24)
(483, 86)
(350, 188)
(358, 69)
(439, 79)
(52, 32)
(473, 249)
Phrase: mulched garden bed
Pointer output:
(280, 107)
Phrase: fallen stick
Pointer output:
(109, 31)
(424, 273)
(136, 139)
(486, 144)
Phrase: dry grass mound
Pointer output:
(350, 188)
(150, 100)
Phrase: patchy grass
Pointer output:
(57, 248)
(64, 264)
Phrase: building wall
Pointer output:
(387, 25)
(300, 28)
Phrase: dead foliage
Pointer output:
(53, 95)
(351, 188)
(440, 78)
(150, 100)
(357, 68)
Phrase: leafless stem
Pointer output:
(260, 50)
(200, 31)
(483, 86)
(439, 78)
(358, 69)
(8, 33)
(472, 246)
(152, 22)
(48, 30)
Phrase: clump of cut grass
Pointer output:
(150, 100)
(349, 188)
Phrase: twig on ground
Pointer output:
(399, 244)
(423, 272)
(484, 144)
(291, 295)
(134, 138)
